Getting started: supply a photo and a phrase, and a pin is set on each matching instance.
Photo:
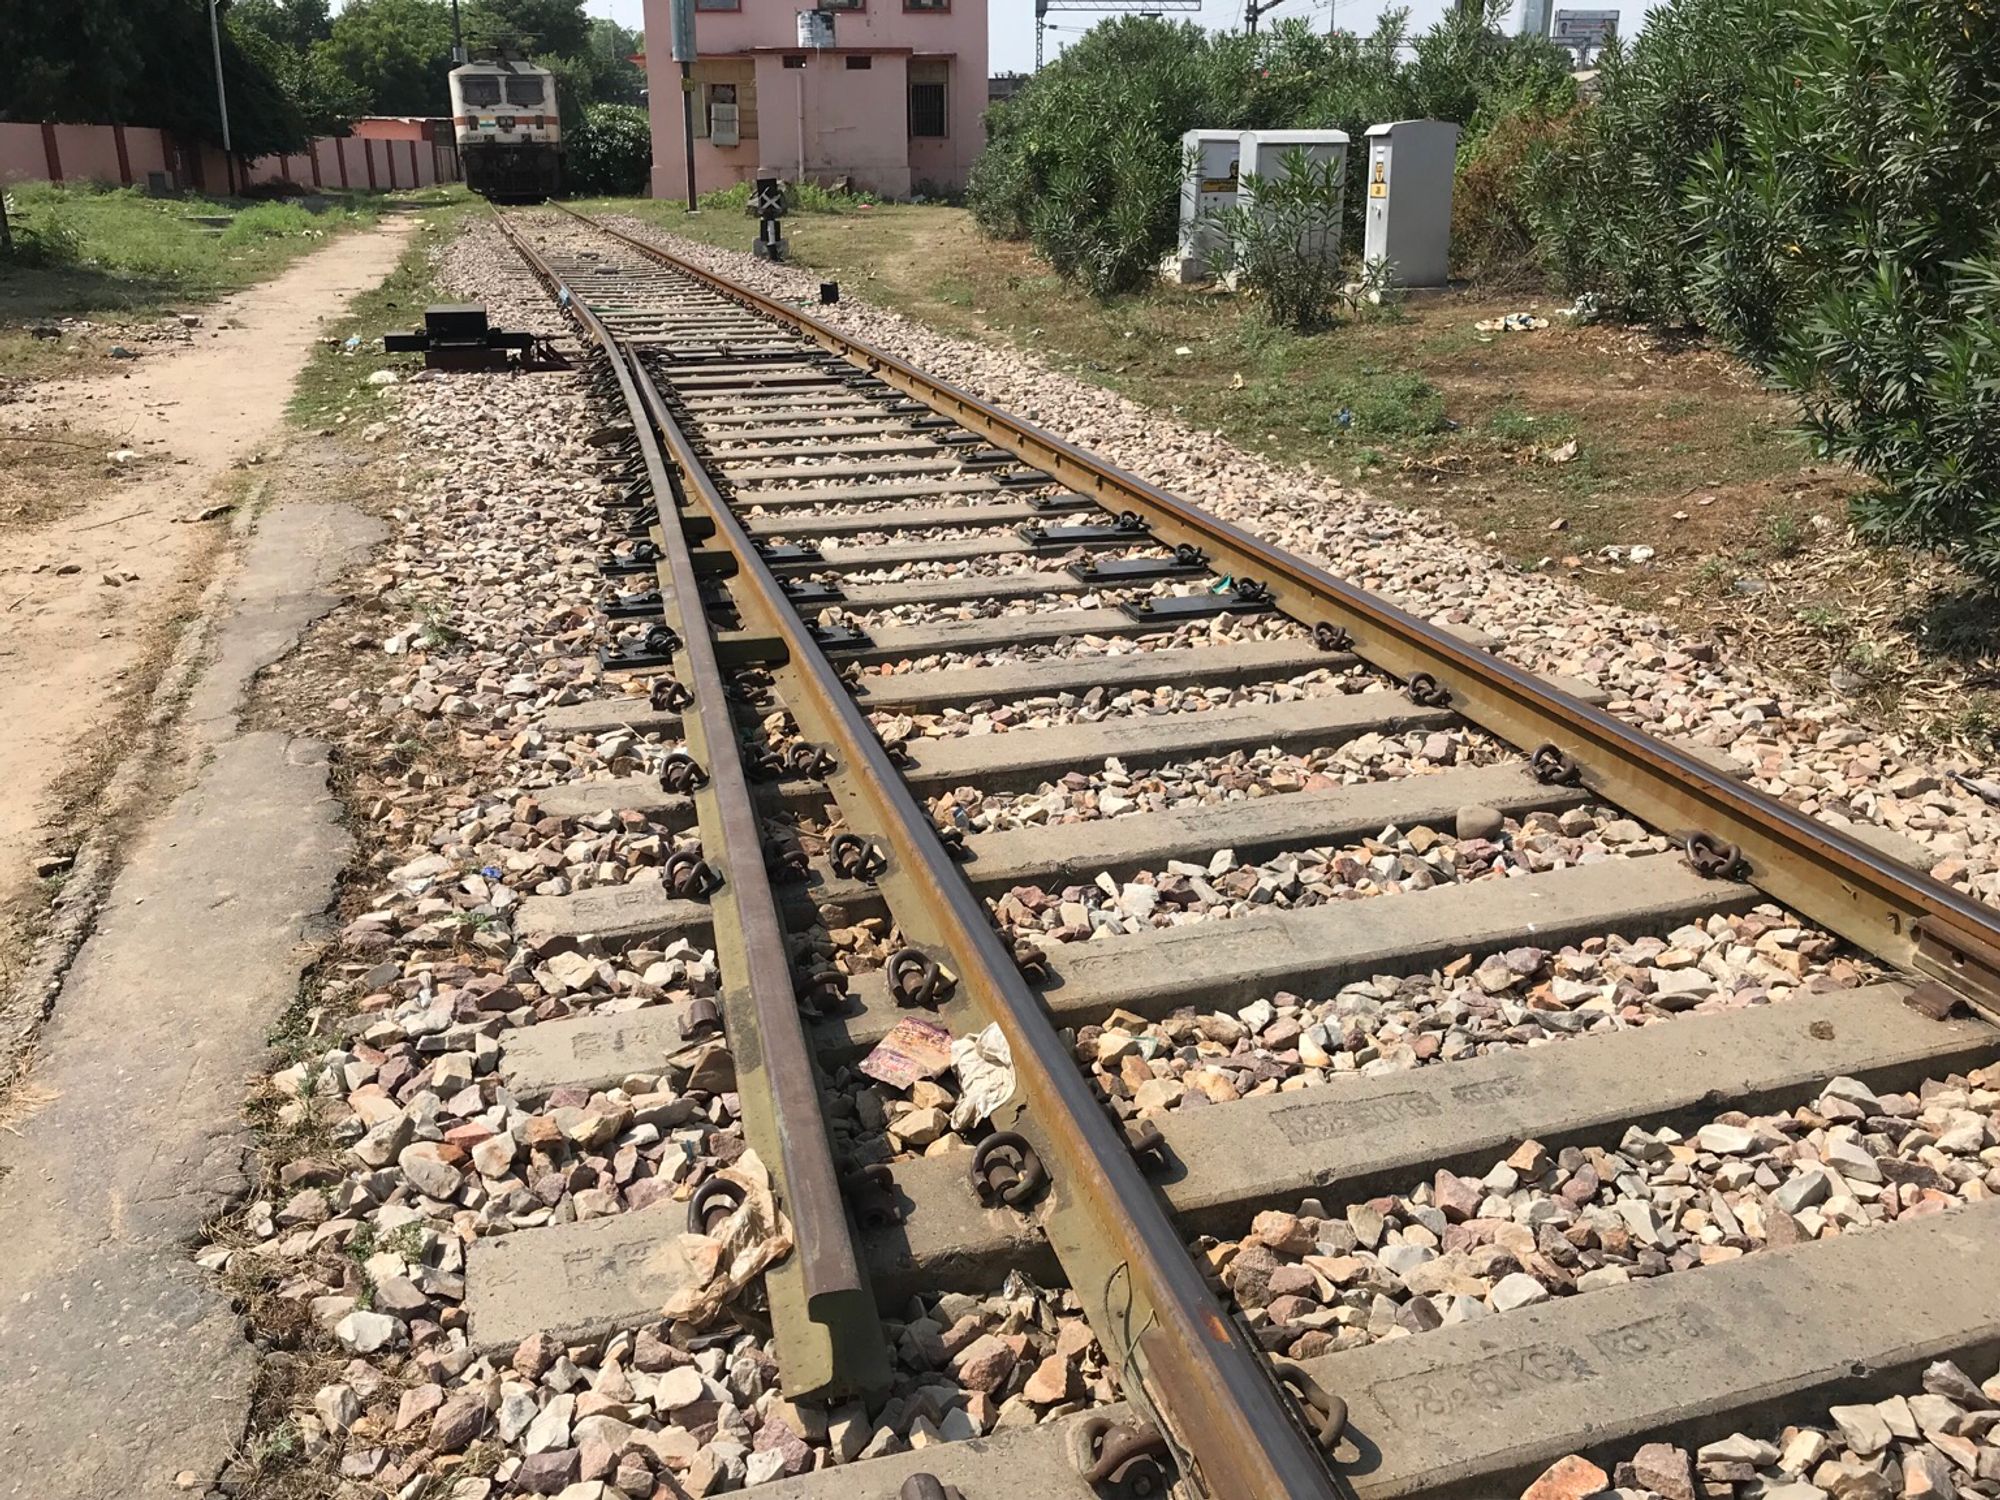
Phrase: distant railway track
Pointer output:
(819, 538)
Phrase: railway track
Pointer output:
(883, 620)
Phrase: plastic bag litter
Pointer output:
(985, 1067)
(720, 1265)
(1519, 322)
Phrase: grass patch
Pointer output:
(333, 389)
(100, 253)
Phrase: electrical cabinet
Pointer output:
(1264, 153)
(1408, 220)
(1207, 188)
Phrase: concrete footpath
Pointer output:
(122, 1369)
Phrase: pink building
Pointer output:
(894, 105)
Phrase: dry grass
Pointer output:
(47, 477)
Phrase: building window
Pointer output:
(718, 4)
(796, 60)
(927, 115)
(726, 103)
(860, 64)
(930, 113)
(843, 4)
(937, 5)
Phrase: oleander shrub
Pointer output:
(1286, 239)
(610, 153)
(1815, 182)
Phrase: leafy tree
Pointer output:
(396, 52)
(539, 28)
(292, 24)
(614, 77)
(1814, 181)
(611, 152)
(142, 62)
(1609, 202)
(1864, 208)
(78, 61)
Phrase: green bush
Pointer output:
(1285, 239)
(268, 221)
(1492, 236)
(1608, 202)
(610, 153)
(1813, 180)
(800, 198)
(1867, 206)
(1085, 161)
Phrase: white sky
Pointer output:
(1012, 22)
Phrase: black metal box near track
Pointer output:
(456, 322)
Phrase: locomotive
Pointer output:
(509, 135)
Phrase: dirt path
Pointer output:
(87, 602)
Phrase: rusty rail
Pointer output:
(1900, 915)
(823, 1308)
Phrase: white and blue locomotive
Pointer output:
(508, 130)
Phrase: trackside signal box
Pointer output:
(1408, 220)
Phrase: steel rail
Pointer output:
(823, 1308)
(1180, 1356)
(1829, 876)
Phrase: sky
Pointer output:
(1011, 26)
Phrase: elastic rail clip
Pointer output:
(1147, 1145)
(1554, 767)
(1122, 1461)
(855, 858)
(1331, 637)
(1328, 1412)
(821, 991)
(871, 1193)
(1708, 856)
(1032, 960)
(703, 1019)
(914, 979)
(682, 773)
(670, 695)
(689, 876)
(1005, 1169)
(814, 762)
(715, 1200)
(788, 862)
(1426, 691)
